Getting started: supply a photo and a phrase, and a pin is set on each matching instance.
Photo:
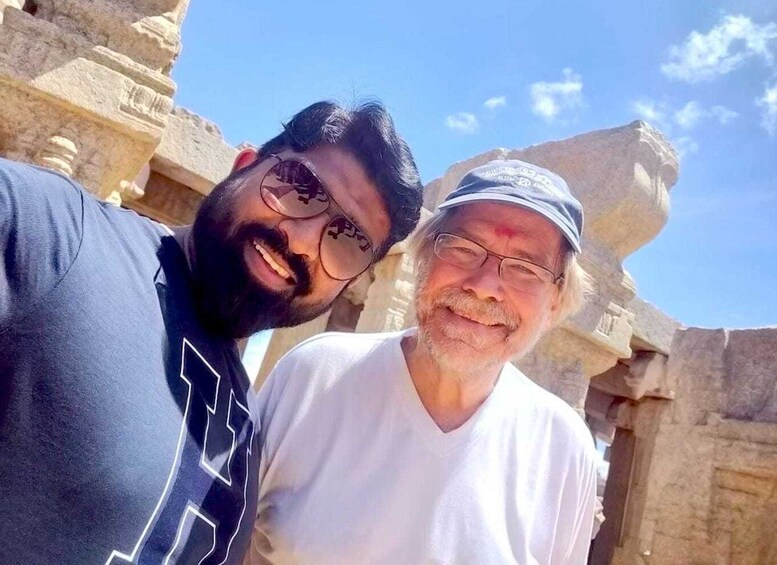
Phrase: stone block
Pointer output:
(751, 375)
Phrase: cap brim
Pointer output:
(507, 199)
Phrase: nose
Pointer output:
(485, 283)
(304, 235)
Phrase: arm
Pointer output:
(584, 518)
(41, 221)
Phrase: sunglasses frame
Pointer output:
(333, 218)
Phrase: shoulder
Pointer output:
(325, 357)
(561, 423)
(319, 362)
(28, 187)
(337, 347)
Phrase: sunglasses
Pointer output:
(292, 190)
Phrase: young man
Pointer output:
(127, 433)
(428, 446)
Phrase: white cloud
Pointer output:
(689, 115)
(692, 113)
(671, 122)
(685, 146)
(721, 50)
(551, 98)
(495, 102)
(768, 104)
(650, 111)
(723, 114)
(462, 123)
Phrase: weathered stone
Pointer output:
(708, 479)
(652, 329)
(193, 152)
(84, 85)
(167, 201)
(751, 375)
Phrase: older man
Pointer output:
(428, 446)
(126, 426)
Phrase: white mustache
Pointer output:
(486, 313)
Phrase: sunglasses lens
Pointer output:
(345, 250)
(290, 188)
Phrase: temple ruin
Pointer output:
(688, 416)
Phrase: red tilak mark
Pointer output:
(502, 231)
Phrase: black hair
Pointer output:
(367, 132)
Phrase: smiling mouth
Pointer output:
(475, 321)
(273, 264)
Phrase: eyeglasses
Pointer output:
(292, 190)
(518, 273)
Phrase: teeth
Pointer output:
(275, 266)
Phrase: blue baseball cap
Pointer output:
(526, 185)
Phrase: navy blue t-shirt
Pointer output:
(126, 433)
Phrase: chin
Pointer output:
(457, 352)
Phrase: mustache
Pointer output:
(464, 304)
(277, 242)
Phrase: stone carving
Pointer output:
(388, 305)
(98, 67)
(142, 102)
(58, 154)
(708, 473)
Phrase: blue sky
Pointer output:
(705, 73)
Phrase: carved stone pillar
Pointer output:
(388, 306)
(58, 154)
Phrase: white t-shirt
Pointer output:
(354, 470)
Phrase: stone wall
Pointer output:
(85, 86)
(707, 492)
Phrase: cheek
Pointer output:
(442, 275)
(324, 288)
(251, 208)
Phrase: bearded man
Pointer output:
(428, 446)
(127, 424)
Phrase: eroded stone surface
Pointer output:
(709, 489)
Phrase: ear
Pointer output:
(244, 158)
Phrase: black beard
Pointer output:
(229, 300)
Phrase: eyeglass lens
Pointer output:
(469, 255)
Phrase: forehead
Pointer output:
(347, 182)
(507, 229)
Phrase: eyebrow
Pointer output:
(519, 254)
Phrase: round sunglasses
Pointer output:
(292, 190)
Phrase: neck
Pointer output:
(450, 396)
(184, 236)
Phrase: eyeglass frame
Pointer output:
(330, 200)
(556, 278)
